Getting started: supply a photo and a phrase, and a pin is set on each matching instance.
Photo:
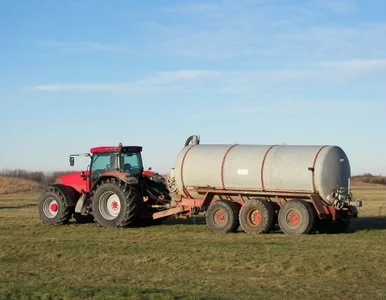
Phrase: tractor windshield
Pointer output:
(132, 163)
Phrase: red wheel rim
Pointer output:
(293, 218)
(255, 217)
(54, 207)
(50, 208)
(220, 217)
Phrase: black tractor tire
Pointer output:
(331, 227)
(295, 218)
(222, 216)
(115, 204)
(53, 208)
(257, 216)
(83, 219)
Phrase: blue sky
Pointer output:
(77, 74)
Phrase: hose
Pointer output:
(171, 184)
(171, 181)
(194, 138)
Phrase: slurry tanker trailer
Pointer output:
(299, 188)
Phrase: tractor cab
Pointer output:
(121, 159)
(114, 159)
(111, 161)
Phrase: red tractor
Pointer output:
(115, 191)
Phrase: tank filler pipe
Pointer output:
(195, 139)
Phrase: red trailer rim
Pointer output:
(256, 217)
(220, 217)
(293, 218)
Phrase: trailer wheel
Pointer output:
(295, 217)
(314, 216)
(257, 216)
(115, 204)
(53, 208)
(223, 216)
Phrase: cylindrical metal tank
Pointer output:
(280, 168)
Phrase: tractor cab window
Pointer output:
(104, 162)
(132, 163)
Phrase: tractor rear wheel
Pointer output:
(223, 216)
(257, 216)
(53, 208)
(115, 204)
(296, 217)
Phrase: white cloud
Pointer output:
(160, 82)
(194, 7)
(351, 69)
(337, 43)
(337, 6)
(257, 30)
(177, 76)
(84, 88)
(356, 64)
(83, 46)
(237, 81)
(293, 107)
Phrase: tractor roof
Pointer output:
(116, 148)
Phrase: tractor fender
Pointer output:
(70, 195)
(131, 180)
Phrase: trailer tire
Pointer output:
(115, 204)
(223, 216)
(295, 218)
(314, 216)
(257, 216)
(53, 208)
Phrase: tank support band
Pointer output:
(262, 167)
(313, 168)
(182, 172)
(222, 165)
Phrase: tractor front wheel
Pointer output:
(115, 204)
(53, 208)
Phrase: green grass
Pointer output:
(184, 260)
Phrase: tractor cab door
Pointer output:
(101, 163)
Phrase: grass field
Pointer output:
(184, 260)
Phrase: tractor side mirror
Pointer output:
(72, 161)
